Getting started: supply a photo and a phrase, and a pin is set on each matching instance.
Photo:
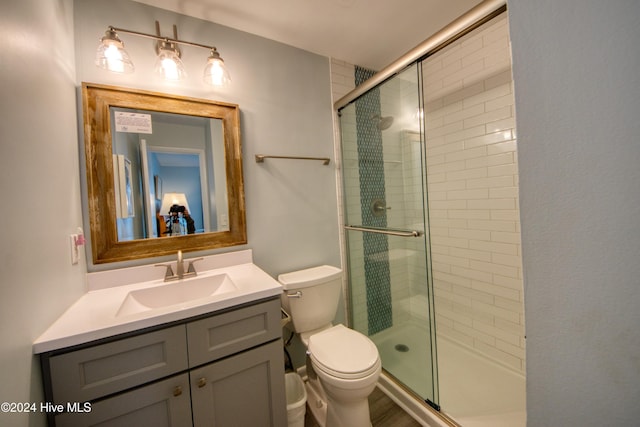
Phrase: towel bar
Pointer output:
(260, 158)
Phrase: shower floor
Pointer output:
(405, 355)
(474, 391)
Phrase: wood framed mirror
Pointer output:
(141, 150)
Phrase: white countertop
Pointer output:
(94, 315)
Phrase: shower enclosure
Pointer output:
(431, 218)
(384, 182)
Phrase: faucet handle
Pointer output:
(191, 269)
(168, 273)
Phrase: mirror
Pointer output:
(169, 174)
(164, 173)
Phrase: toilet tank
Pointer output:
(311, 296)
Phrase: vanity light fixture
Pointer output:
(112, 56)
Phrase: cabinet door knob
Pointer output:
(177, 391)
(202, 382)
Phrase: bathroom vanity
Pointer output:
(214, 360)
(136, 350)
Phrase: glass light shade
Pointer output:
(169, 65)
(215, 72)
(111, 54)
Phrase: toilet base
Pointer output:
(319, 408)
(316, 402)
(353, 414)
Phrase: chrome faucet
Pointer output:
(180, 273)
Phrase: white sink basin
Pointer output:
(182, 292)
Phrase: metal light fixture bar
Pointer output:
(160, 38)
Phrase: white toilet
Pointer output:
(346, 362)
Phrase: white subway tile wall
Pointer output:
(342, 78)
(472, 176)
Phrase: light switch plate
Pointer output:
(75, 256)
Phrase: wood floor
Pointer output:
(384, 413)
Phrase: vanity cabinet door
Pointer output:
(228, 333)
(242, 390)
(89, 373)
(164, 403)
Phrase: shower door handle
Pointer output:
(388, 231)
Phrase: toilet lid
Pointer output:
(343, 352)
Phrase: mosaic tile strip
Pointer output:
(372, 187)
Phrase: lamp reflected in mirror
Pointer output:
(176, 215)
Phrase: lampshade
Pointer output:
(170, 199)
(215, 72)
(169, 65)
(111, 54)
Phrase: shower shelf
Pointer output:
(260, 158)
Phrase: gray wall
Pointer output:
(577, 87)
(284, 97)
(40, 188)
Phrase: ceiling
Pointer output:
(369, 33)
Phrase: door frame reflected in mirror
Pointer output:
(202, 198)
(105, 247)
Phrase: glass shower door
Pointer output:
(386, 222)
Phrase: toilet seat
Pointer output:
(343, 353)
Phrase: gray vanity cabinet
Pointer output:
(162, 403)
(89, 373)
(223, 370)
(241, 390)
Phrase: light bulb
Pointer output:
(111, 54)
(169, 65)
(215, 72)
